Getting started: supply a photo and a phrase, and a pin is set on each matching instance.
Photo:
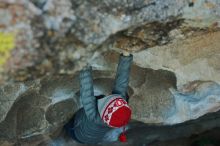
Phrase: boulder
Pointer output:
(38, 109)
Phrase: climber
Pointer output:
(100, 114)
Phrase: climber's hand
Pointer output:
(128, 45)
(126, 53)
(86, 67)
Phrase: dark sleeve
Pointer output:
(122, 75)
(87, 95)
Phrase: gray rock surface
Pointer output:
(55, 36)
(36, 108)
(191, 59)
(40, 108)
(174, 79)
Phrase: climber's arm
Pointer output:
(87, 94)
(122, 74)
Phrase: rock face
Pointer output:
(52, 36)
(37, 110)
(191, 59)
(174, 81)
(156, 99)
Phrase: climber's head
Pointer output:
(114, 111)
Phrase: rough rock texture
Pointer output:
(53, 36)
(191, 59)
(157, 99)
(35, 109)
(175, 77)
(38, 110)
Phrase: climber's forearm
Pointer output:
(87, 92)
(86, 82)
(122, 74)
